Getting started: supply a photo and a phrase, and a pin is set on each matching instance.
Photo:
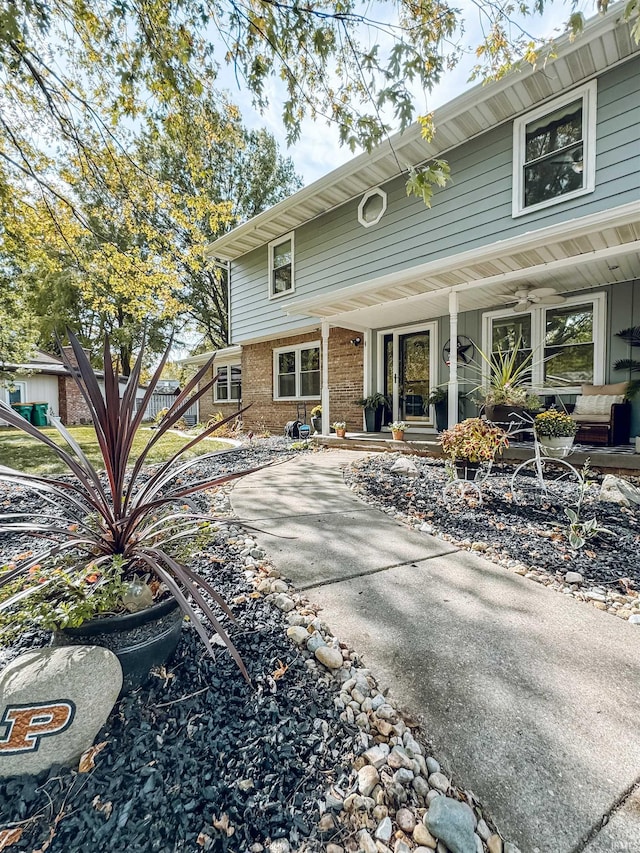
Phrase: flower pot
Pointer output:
(341, 433)
(397, 434)
(466, 470)
(506, 416)
(442, 415)
(373, 419)
(316, 423)
(556, 446)
(139, 640)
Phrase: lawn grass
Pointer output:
(24, 453)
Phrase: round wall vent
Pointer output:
(372, 207)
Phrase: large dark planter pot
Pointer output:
(466, 470)
(316, 423)
(373, 419)
(505, 416)
(442, 415)
(140, 640)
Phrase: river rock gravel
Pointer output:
(528, 535)
(311, 756)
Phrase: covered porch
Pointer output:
(510, 288)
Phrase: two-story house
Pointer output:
(349, 286)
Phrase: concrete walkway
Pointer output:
(529, 698)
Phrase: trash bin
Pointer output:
(39, 414)
(23, 409)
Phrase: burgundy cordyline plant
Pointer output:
(119, 513)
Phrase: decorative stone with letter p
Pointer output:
(53, 703)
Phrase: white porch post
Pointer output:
(366, 374)
(324, 355)
(453, 359)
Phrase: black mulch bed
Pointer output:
(200, 747)
(532, 532)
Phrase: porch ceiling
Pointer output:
(579, 255)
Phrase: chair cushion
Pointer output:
(591, 419)
(616, 388)
(596, 404)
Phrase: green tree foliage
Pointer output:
(348, 62)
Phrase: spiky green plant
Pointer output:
(632, 337)
(125, 512)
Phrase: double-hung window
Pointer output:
(228, 387)
(281, 267)
(296, 372)
(554, 151)
(567, 341)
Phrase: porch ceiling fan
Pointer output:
(524, 297)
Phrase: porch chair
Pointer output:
(602, 414)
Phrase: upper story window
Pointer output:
(281, 278)
(228, 388)
(554, 150)
(296, 372)
(567, 341)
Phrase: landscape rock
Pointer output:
(406, 820)
(616, 490)
(377, 755)
(298, 634)
(573, 577)
(53, 702)
(283, 602)
(453, 823)
(331, 658)
(494, 843)
(634, 619)
(439, 781)
(398, 758)
(423, 837)
(368, 778)
(406, 466)
(366, 842)
(384, 830)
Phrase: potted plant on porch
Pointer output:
(340, 427)
(316, 420)
(472, 442)
(398, 429)
(555, 431)
(507, 393)
(374, 407)
(115, 570)
(438, 399)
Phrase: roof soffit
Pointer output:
(605, 42)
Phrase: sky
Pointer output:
(318, 150)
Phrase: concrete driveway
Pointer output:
(529, 698)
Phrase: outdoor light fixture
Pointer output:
(355, 341)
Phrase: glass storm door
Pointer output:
(409, 372)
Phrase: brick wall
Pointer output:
(71, 403)
(345, 382)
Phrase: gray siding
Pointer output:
(623, 311)
(474, 210)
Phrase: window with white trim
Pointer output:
(554, 151)
(281, 275)
(296, 372)
(16, 392)
(228, 387)
(567, 340)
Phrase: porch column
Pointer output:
(366, 376)
(324, 355)
(453, 359)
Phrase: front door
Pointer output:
(409, 372)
